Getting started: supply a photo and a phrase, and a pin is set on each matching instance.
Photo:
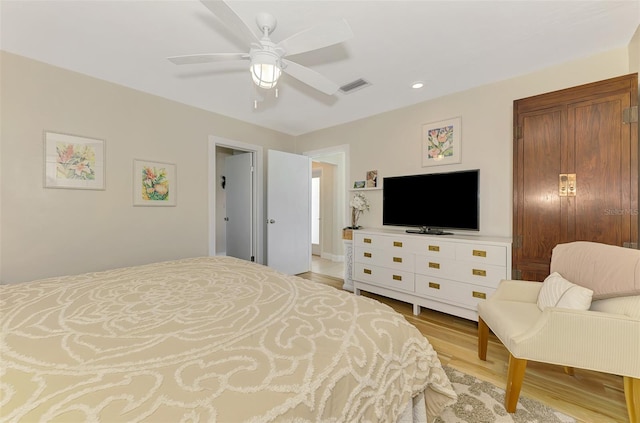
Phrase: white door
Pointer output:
(288, 212)
(239, 216)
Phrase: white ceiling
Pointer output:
(451, 45)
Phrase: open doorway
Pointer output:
(330, 167)
(219, 150)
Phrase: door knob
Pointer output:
(271, 221)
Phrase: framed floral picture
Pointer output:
(441, 142)
(154, 183)
(73, 162)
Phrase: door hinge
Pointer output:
(516, 274)
(630, 115)
(517, 242)
(517, 132)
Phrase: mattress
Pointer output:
(208, 339)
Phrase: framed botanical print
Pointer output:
(154, 183)
(73, 162)
(441, 142)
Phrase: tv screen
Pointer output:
(432, 202)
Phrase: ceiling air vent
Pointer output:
(354, 86)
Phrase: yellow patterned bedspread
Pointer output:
(207, 339)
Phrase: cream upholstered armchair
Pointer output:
(595, 325)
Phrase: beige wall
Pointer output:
(634, 52)
(391, 142)
(48, 232)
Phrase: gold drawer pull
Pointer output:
(367, 271)
(478, 272)
(479, 253)
(434, 248)
(367, 255)
(397, 278)
(477, 294)
(397, 259)
(434, 285)
(397, 244)
(367, 240)
(434, 265)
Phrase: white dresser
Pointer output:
(448, 273)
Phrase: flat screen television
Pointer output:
(433, 202)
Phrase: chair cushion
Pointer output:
(608, 270)
(629, 306)
(556, 291)
(508, 319)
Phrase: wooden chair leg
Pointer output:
(483, 339)
(632, 396)
(515, 375)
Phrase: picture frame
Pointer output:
(154, 183)
(73, 161)
(372, 179)
(441, 142)
(359, 184)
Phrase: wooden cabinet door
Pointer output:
(581, 131)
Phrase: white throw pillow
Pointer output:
(556, 291)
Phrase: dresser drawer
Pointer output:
(428, 265)
(389, 278)
(486, 254)
(450, 291)
(480, 273)
(395, 243)
(385, 258)
(433, 248)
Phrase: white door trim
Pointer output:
(341, 178)
(258, 226)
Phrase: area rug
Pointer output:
(480, 402)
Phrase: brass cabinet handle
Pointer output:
(397, 244)
(397, 259)
(479, 272)
(367, 271)
(479, 253)
(434, 265)
(435, 248)
(434, 285)
(567, 185)
(477, 294)
(367, 255)
(397, 277)
(367, 240)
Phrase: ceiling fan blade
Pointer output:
(310, 77)
(207, 58)
(316, 37)
(226, 14)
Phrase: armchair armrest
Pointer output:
(604, 342)
(517, 290)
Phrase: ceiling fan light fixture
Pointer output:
(265, 75)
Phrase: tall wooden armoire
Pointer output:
(575, 171)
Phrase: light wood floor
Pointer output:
(589, 397)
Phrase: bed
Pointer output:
(209, 339)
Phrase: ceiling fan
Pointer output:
(266, 58)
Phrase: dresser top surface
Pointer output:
(439, 238)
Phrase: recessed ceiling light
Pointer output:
(417, 85)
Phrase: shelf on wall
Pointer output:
(365, 189)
